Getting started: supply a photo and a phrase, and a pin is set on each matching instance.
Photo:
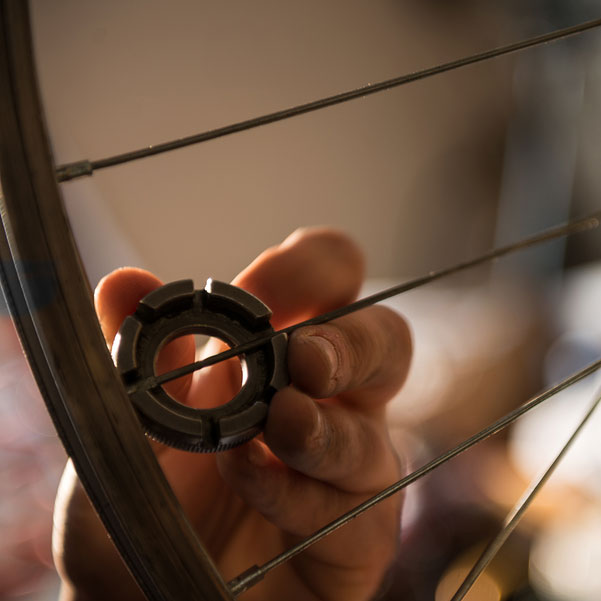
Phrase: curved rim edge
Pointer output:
(50, 299)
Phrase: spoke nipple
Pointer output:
(70, 171)
(245, 580)
(142, 385)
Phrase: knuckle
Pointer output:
(342, 444)
(320, 445)
(274, 499)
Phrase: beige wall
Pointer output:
(412, 173)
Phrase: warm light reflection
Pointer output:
(504, 575)
(566, 558)
(485, 588)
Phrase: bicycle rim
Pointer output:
(50, 301)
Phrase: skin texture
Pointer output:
(325, 446)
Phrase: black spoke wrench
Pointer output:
(222, 310)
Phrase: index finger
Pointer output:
(312, 271)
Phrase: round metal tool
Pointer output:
(222, 310)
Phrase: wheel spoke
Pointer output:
(253, 575)
(517, 512)
(86, 167)
(573, 227)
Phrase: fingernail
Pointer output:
(328, 352)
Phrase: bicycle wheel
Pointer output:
(23, 258)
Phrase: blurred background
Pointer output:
(422, 176)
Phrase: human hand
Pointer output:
(315, 460)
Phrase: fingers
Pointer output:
(314, 270)
(275, 491)
(299, 505)
(359, 362)
(330, 442)
(363, 358)
(292, 501)
(117, 296)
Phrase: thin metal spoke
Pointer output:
(86, 167)
(256, 573)
(579, 225)
(515, 515)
